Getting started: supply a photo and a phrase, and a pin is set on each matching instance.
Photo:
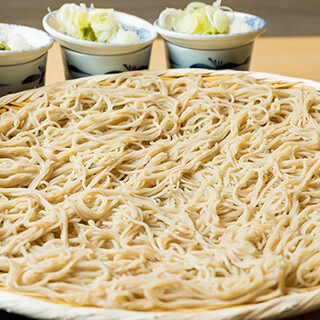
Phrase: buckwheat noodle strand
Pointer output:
(154, 193)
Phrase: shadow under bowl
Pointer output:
(23, 76)
(217, 59)
(77, 64)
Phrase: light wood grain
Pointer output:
(55, 67)
(290, 56)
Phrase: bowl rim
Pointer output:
(70, 41)
(198, 36)
(49, 43)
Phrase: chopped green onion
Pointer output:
(4, 47)
(93, 25)
(200, 18)
(87, 33)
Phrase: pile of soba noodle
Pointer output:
(154, 193)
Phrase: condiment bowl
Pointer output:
(78, 64)
(213, 51)
(23, 69)
(83, 57)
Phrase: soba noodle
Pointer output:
(152, 193)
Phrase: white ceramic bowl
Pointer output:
(143, 28)
(40, 42)
(23, 76)
(216, 41)
(79, 64)
(24, 69)
(237, 58)
(214, 51)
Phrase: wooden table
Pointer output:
(290, 56)
(294, 56)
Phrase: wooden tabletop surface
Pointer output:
(290, 56)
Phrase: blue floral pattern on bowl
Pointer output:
(30, 79)
(143, 33)
(23, 76)
(215, 64)
(255, 22)
(36, 76)
(233, 58)
(83, 65)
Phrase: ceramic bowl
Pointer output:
(23, 76)
(23, 69)
(216, 51)
(79, 64)
(237, 58)
(40, 42)
(143, 28)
